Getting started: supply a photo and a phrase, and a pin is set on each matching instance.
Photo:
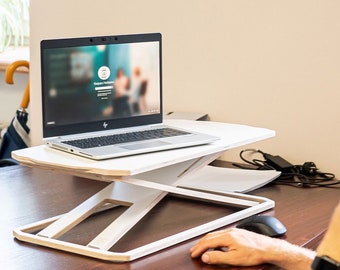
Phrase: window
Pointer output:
(14, 23)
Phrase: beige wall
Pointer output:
(273, 64)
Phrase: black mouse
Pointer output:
(266, 225)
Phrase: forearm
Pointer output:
(289, 256)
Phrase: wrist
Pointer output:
(289, 256)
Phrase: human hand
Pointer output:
(233, 247)
(239, 247)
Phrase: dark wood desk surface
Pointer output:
(28, 195)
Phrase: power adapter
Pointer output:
(278, 163)
(306, 175)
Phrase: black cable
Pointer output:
(257, 163)
(247, 161)
(305, 176)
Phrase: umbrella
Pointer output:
(17, 134)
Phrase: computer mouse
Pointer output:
(266, 225)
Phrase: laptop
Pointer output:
(102, 97)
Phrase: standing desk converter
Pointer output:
(139, 182)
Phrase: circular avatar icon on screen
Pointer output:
(104, 72)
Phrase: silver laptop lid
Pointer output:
(100, 83)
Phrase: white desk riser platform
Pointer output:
(140, 182)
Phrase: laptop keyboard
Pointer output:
(125, 137)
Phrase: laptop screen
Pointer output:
(97, 83)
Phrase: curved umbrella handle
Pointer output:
(9, 79)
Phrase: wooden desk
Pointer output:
(28, 195)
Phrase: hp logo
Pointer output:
(105, 125)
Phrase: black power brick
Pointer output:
(278, 163)
(306, 175)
